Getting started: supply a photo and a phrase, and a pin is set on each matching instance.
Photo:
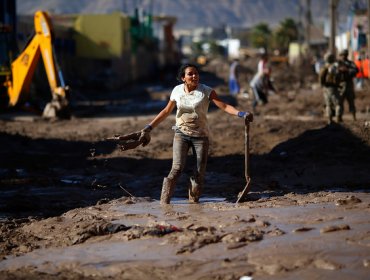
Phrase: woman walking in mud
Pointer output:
(191, 131)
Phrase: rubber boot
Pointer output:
(168, 188)
(329, 114)
(195, 190)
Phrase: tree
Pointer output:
(261, 36)
(286, 33)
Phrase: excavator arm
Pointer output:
(23, 68)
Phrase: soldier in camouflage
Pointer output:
(347, 70)
(328, 78)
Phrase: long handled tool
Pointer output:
(246, 163)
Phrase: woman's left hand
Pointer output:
(246, 115)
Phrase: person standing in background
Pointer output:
(261, 83)
(328, 79)
(234, 85)
(347, 71)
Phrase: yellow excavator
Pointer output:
(18, 80)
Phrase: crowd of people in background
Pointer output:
(337, 77)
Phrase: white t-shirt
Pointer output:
(192, 108)
(263, 68)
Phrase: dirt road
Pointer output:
(73, 206)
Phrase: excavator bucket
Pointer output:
(58, 107)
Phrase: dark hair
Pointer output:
(181, 71)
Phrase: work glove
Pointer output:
(145, 135)
(246, 115)
(127, 141)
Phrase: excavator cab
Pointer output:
(8, 46)
(19, 78)
(4, 64)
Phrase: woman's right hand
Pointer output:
(145, 135)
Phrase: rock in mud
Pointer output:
(327, 265)
(351, 200)
(366, 263)
(198, 242)
(261, 223)
(272, 269)
(276, 232)
(334, 228)
(248, 235)
(302, 229)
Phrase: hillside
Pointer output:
(194, 13)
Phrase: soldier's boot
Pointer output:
(168, 188)
(195, 190)
(354, 116)
(329, 114)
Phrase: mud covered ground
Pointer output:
(73, 206)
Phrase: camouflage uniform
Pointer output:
(328, 79)
(347, 71)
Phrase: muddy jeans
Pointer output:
(181, 145)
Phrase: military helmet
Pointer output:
(344, 52)
(330, 58)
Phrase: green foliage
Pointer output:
(196, 48)
(261, 36)
(286, 33)
(208, 48)
(216, 50)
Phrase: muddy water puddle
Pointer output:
(325, 236)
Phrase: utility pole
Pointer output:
(300, 42)
(308, 22)
(368, 37)
(124, 6)
(333, 24)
